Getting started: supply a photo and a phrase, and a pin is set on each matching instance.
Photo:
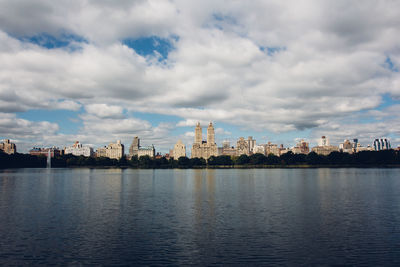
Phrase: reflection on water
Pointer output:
(202, 217)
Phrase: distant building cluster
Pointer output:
(8, 147)
(208, 148)
(137, 150)
(78, 149)
(203, 148)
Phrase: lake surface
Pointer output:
(202, 217)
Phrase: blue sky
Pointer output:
(111, 71)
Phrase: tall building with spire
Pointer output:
(198, 135)
(204, 149)
(210, 134)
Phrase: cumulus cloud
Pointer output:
(263, 65)
(105, 111)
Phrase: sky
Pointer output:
(101, 70)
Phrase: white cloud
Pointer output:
(221, 131)
(105, 111)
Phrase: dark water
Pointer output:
(202, 217)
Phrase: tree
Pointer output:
(197, 162)
(288, 158)
(123, 161)
(145, 161)
(134, 161)
(242, 160)
(272, 159)
(313, 158)
(257, 159)
(184, 162)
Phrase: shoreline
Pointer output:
(300, 166)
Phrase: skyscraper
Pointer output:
(198, 138)
(134, 148)
(381, 144)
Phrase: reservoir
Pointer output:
(200, 217)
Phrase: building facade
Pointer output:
(251, 143)
(245, 146)
(204, 149)
(226, 149)
(272, 149)
(242, 147)
(347, 147)
(101, 152)
(147, 151)
(179, 150)
(112, 151)
(115, 150)
(136, 150)
(8, 147)
(302, 147)
(78, 149)
(381, 144)
(325, 150)
(37, 151)
(259, 149)
(324, 141)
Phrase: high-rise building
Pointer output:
(115, 150)
(198, 134)
(179, 150)
(78, 150)
(324, 148)
(272, 149)
(347, 147)
(356, 145)
(251, 143)
(204, 149)
(324, 141)
(226, 149)
(242, 147)
(112, 151)
(302, 147)
(210, 134)
(381, 144)
(8, 147)
(134, 148)
(245, 146)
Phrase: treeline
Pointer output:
(364, 159)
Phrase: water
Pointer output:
(202, 217)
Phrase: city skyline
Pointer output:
(274, 71)
(206, 147)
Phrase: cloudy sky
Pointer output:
(97, 71)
